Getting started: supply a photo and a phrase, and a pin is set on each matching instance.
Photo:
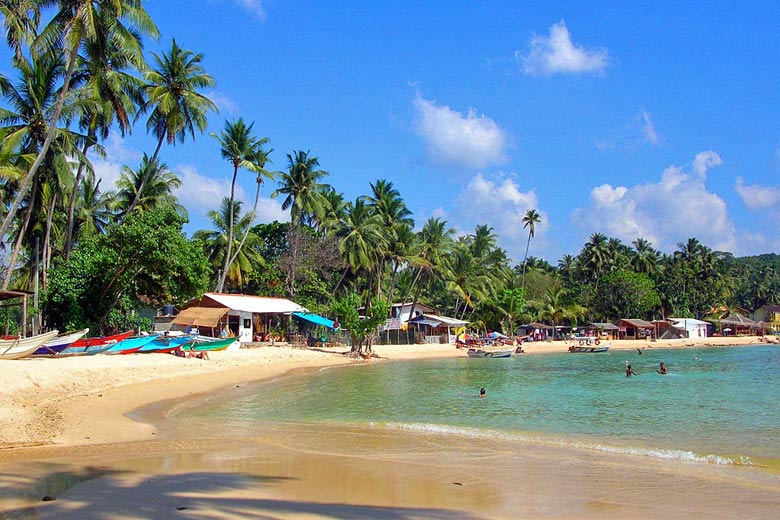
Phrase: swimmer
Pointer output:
(662, 369)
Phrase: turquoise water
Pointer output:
(716, 405)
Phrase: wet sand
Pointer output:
(166, 468)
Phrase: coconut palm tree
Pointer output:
(645, 259)
(110, 95)
(242, 150)
(74, 23)
(150, 186)
(216, 242)
(361, 236)
(531, 218)
(304, 194)
(94, 209)
(175, 105)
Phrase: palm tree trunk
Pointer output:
(525, 259)
(225, 268)
(72, 203)
(47, 243)
(392, 283)
(249, 225)
(17, 248)
(46, 143)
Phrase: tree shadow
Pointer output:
(96, 493)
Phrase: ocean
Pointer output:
(715, 405)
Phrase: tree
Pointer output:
(175, 105)
(304, 194)
(242, 150)
(146, 255)
(360, 330)
(150, 186)
(625, 294)
(531, 218)
(76, 22)
(511, 304)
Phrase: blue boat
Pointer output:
(166, 343)
(130, 345)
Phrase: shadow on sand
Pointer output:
(99, 493)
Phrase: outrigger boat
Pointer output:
(588, 345)
(483, 352)
(18, 348)
(59, 344)
(198, 345)
(130, 345)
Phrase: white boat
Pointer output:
(22, 347)
(488, 352)
(588, 345)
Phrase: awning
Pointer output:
(435, 320)
(255, 304)
(316, 319)
(200, 316)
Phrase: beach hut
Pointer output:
(633, 328)
(770, 316)
(691, 327)
(437, 329)
(736, 324)
(605, 330)
(241, 315)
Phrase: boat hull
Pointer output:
(22, 347)
(130, 345)
(481, 353)
(220, 344)
(59, 344)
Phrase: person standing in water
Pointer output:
(662, 369)
(629, 371)
(482, 392)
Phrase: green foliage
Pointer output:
(147, 255)
(346, 310)
(625, 294)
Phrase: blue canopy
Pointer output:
(316, 319)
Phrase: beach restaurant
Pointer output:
(435, 328)
(245, 317)
(630, 328)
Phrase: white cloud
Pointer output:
(557, 54)
(224, 102)
(669, 211)
(757, 196)
(704, 161)
(500, 203)
(648, 129)
(469, 140)
(210, 191)
(254, 7)
(118, 155)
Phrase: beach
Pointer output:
(103, 421)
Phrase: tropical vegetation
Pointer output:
(103, 253)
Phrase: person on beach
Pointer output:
(662, 369)
(629, 371)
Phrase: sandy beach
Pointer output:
(65, 421)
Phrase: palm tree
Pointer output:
(386, 202)
(304, 193)
(216, 242)
(361, 235)
(77, 22)
(94, 208)
(175, 105)
(150, 186)
(531, 218)
(334, 210)
(110, 94)
(645, 259)
(594, 256)
(434, 244)
(242, 150)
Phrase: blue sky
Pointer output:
(656, 120)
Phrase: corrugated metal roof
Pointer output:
(255, 304)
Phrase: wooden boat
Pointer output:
(213, 345)
(165, 344)
(101, 340)
(59, 344)
(130, 345)
(588, 345)
(22, 347)
(487, 352)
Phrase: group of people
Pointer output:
(630, 371)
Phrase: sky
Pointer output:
(656, 120)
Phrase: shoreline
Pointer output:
(86, 400)
(90, 415)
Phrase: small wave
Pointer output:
(681, 455)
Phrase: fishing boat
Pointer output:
(18, 348)
(165, 344)
(208, 345)
(588, 345)
(130, 345)
(101, 340)
(57, 345)
(488, 352)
